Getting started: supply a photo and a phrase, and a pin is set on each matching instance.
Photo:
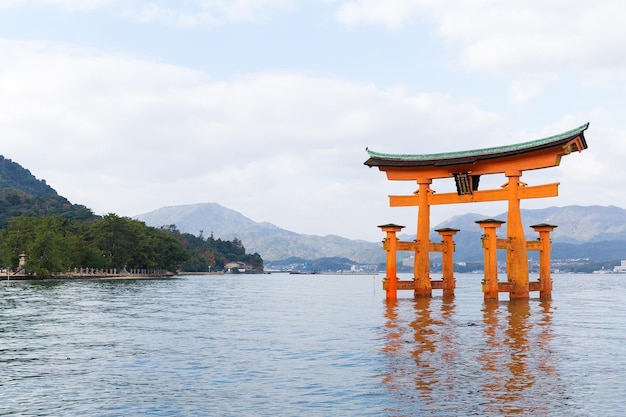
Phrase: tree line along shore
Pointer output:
(111, 246)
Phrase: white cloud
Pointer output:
(129, 134)
(490, 35)
(516, 37)
(124, 135)
(191, 13)
(68, 5)
(596, 175)
(392, 14)
(528, 87)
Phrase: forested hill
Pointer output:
(58, 236)
(21, 194)
(13, 175)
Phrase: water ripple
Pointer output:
(307, 345)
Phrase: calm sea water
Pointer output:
(295, 345)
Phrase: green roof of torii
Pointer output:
(462, 157)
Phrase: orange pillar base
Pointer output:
(545, 278)
(423, 292)
(490, 246)
(447, 260)
(519, 295)
(391, 246)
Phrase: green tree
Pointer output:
(115, 239)
(127, 243)
(15, 238)
(49, 252)
(43, 239)
(170, 254)
(56, 244)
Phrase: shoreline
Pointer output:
(75, 277)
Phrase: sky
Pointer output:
(266, 107)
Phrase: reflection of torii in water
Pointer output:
(466, 168)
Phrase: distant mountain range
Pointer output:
(266, 239)
(596, 232)
(576, 224)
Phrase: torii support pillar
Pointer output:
(447, 260)
(421, 267)
(391, 246)
(516, 256)
(545, 247)
(490, 247)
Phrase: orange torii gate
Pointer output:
(466, 168)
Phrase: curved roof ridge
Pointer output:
(515, 148)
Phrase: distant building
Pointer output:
(620, 269)
(239, 266)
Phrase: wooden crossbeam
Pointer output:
(535, 191)
(412, 246)
(508, 286)
(503, 244)
(533, 245)
(506, 244)
(436, 284)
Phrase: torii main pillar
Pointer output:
(466, 168)
(516, 257)
(421, 265)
